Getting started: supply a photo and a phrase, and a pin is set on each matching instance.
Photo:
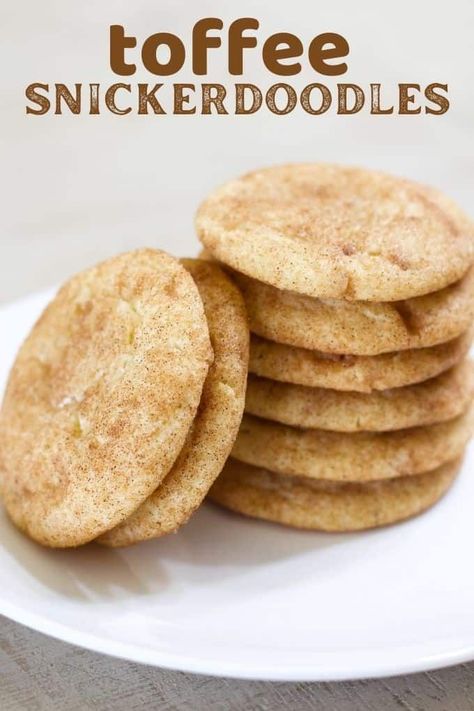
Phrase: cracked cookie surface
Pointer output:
(358, 328)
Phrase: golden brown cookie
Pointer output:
(314, 369)
(358, 328)
(359, 456)
(331, 231)
(101, 397)
(436, 400)
(324, 505)
(216, 424)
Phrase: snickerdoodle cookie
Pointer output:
(358, 328)
(349, 372)
(436, 400)
(101, 397)
(325, 505)
(215, 427)
(359, 456)
(331, 231)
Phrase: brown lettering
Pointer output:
(94, 99)
(375, 107)
(213, 95)
(270, 99)
(273, 53)
(180, 99)
(177, 54)
(110, 99)
(326, 99)
(405, 99)
(119, 42)
(438, 99)
(240, 107)
(73, 103)
(147, 97)
(319, 53)
(43, 102)
(237, 42)
(202, 42)
(358, 96)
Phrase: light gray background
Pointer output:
(76, 189)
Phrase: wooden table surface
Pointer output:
(39, 674)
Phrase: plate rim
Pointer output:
(232, 670)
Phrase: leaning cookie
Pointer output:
(436, 400)
(358, 456)
(364, 374)
(358, 327)
(101, 397)
(217, 422)
(328, 506)
(331, 231)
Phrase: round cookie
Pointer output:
(436, 400)
(337, 232)
(101, 397)
(360, 456)
(328, 506)
(215, 427)
(349, 372)
(358, 328)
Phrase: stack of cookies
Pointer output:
(360, 293)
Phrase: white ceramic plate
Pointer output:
(236, 597)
